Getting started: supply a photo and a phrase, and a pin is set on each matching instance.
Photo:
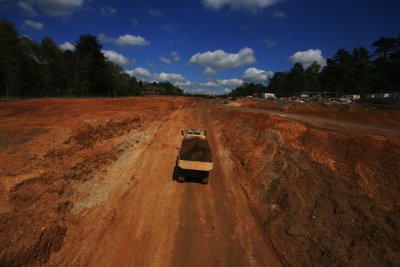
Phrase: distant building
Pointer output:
(267, 96)
(382, 97)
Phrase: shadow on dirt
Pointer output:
(175, 174)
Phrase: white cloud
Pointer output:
(59, 8)
(175, 56)
(249, 5)
(256, 75)
(134, 22)
(108, 10)
(145, 75)
(209, 84)
(165, 60)
(219, 86)
(168, 77)
(155, 13)
(140, 73)
(27, 8)
(170, 27)
(33, 24)
(128, 39)
(279, 14)
(209, 71)
(219, 59)
(67, 46)
(222, 83)
(269, 43)
(124, 40)
(150, 64)
(184, 84)
(230, 82)
(306, 58)
(115, 57)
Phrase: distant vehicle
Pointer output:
(195, 157)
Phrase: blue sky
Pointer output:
(209, 45)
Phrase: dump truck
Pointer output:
(195, 157)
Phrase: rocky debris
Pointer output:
(195, 149)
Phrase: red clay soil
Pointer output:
(48, 145)
(195, 149)
(379, 115)
(89, 182)
(325, 197)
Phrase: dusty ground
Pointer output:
(375, 115)
(89, 182)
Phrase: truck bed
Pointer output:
(195, 165)
(195, 148)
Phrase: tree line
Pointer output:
(356, 72)
(31, 69)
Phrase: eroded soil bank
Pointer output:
(325, 197)
(89, 182)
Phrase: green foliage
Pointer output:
(30, 69)
(345, 72)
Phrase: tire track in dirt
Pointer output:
(322, 122)
(159, 222)
(217, 228)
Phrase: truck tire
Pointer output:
(180, 179)
(204, 180)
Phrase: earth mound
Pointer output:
(195, 149)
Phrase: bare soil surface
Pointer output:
(90, 182)
(386, 116)
(195, 149)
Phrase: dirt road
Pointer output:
(87, 186)
(155, 221)
(326, 123)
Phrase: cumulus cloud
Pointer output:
(128, 39)
(249, 5)
(27, 8)
(306, 58)
(155, 13)
(217, 60)
(59, 8)
(270, 43)
(184, 84)
(209, 84)
(115, 57)
(67, 46)
(124, 40)
(165, 60)
(218, 86)
(169, 77)
(140, 73)
(33, 24)
(134, 22)
(108, 10)
(145, 75)
(209, 71)
(175, 56)
(222, 83)
(54, 8)
(279, 14)
(256, 75)
(170, 27)
(230, 82)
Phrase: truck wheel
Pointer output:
(181, 179)
(205, 180)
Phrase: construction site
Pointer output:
(292, 184)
